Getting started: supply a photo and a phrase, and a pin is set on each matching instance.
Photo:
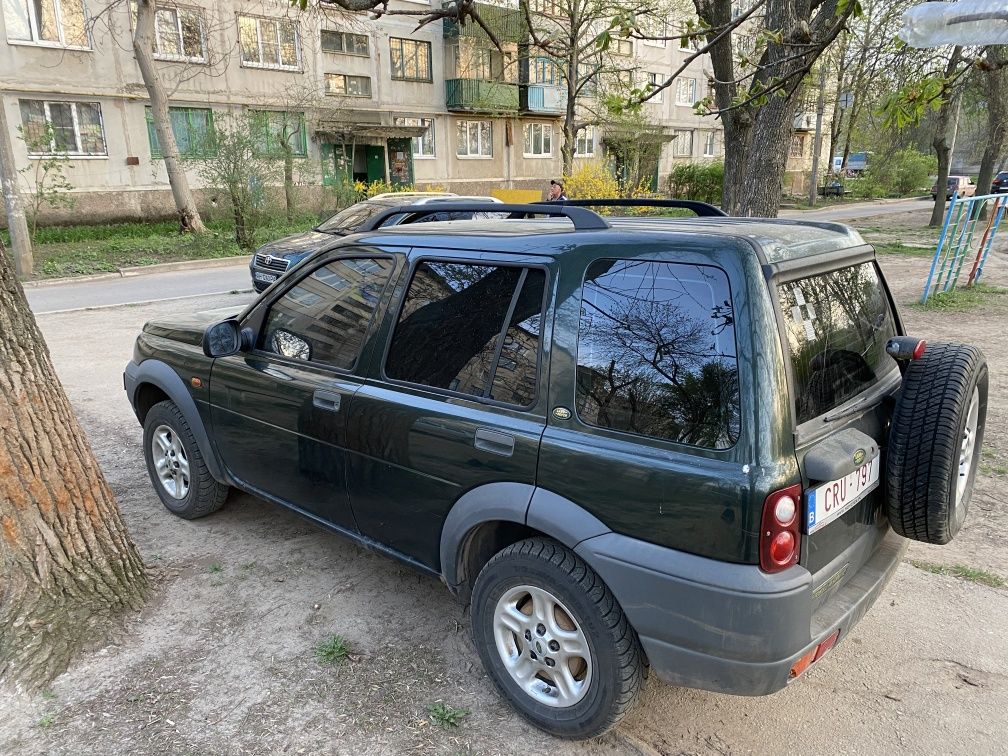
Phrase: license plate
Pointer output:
(264, 277)
(830, 500)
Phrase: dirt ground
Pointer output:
(221, 660)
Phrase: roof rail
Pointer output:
(386, 195)
(582, 218)
(702, 209)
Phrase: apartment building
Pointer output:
(438, 105)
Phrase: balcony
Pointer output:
(543, 98)
(477, 96)
(507, 23)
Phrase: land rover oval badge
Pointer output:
(859, 456)
(562, 413)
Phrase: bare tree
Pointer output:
(143, 49)
(993, 79)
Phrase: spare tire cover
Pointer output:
(934, 442)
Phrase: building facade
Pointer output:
(436, 106)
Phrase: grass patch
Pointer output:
(48, 695)
(445, 715)
(47, 720)
(972, 574)
(85, 250)
(960, 300)
(216, 567)
(332, 650)
(899, 248)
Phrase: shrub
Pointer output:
(379, 186)
(697, 181)
(596, 181)
(901, 173)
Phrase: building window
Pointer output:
(274, 127)
(653, 82)
(75, 128)
(344, 42)
(179, 33)
(269, 42)
(619, 46)
(797, 146)
(548, 7)
(474, 139)
(584, 145)
(423, 146)
(542, 71)
(685, 91)
(710, 142)
(348, 86)
(538, 140)
(411, 59)
(193, 130)
(659, 27)
(588, 79)
(682, 145)
(474, 63)
(59, 23)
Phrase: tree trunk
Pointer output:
(570, 113)
(17, 227)
(143, 44)
(289, 198)
(995, 82)
(68, 563)
(941, 141)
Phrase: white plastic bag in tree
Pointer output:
(967, 22)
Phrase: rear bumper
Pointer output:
(730, 628)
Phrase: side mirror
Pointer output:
(225, 338)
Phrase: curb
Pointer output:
(142, 270)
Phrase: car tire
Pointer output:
(935, 441)
(176, 466)
(530, 598)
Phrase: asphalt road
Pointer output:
(108, 292)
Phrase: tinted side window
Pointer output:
(656, 352)
(451, 332)
(838, 324)
(328, 310)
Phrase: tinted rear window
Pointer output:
(352, 218)
(837, 327)
(656, 352)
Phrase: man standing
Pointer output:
(556, 192)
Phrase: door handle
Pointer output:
(326, 400)
(495, 442)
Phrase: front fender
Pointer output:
(159, 374)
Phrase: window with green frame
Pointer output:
(192, 127)
(272, 127)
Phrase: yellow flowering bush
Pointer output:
(596, 181)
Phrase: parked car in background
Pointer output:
(963, 185)
(273, 259)
(1000, 183)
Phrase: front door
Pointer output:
(456, 400)
(375, 163)
(401, 161)
(279, 411)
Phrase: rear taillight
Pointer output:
(780, 534)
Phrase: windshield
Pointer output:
(349, 220)
(838, 324)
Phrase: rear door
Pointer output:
(836, 323)
(279, 410)
(455, 397)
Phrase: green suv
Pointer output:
(693, 446)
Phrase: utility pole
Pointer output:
(16, 224)
(817, 145)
